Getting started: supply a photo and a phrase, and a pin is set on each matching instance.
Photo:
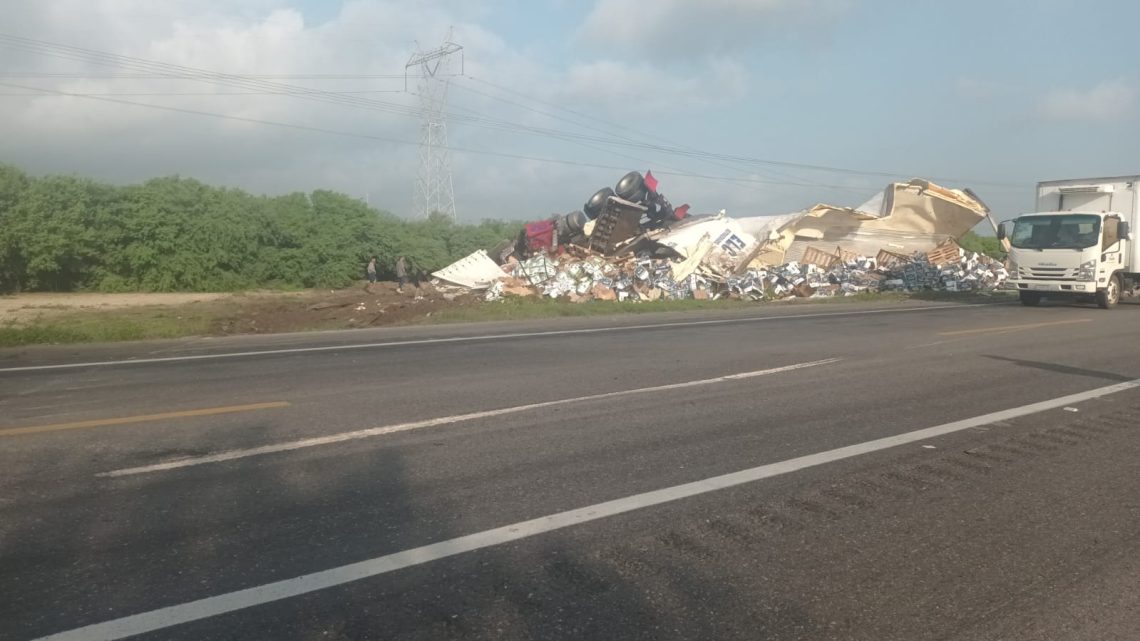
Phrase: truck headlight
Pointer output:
(1087, 270)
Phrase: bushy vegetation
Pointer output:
(988, 245)
(62, 233)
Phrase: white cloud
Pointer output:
(123, 143)
(640, 88)
(684, 28)
(979, 89)
(1108, 101)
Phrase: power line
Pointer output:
(201, 75)
(103, 58)
(205, 93)
(197, 75)
(885, 174)
(608, 132)
(398, 141)
(610, 126)
(137, 64)
(659, 166)
(176, 76)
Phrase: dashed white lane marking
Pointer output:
(435, 422)
(270, 592)
(470, 339)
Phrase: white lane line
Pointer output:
(270, 592)
(467, 339)
(443, 420)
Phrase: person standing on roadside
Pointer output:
(371, 271)
(401, 273)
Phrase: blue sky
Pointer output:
(989, 95)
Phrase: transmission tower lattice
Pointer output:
(434, 191)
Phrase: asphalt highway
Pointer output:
(904, 471)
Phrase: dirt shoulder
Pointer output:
(32, 319)
(25, 307)
(375, 306)
(27, 319)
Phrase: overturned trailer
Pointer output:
(915, 216)
(903, 238)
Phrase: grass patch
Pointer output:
(534, 307)
(106, 327)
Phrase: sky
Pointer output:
(752, 106)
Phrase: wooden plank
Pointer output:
(947, 252)
(888, 259)
(814, 256)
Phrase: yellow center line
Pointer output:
(142, 418)
(1010, 328)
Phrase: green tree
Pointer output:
(988, 245)
(49, 232)
(177, 234)
(13, 184)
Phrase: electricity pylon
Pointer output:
(434, 191)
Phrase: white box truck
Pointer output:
(1078, 243)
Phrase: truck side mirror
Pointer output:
(1124, 231)
(1001, 231)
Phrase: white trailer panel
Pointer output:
(1089, 194)
(1097, 195)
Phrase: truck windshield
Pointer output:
(1063, 231)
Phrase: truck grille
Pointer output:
(1047, 273)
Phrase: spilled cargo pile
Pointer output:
(639, 248)
(581, 278)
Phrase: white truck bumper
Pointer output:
(1052, 286)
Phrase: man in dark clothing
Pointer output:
(371, 271)
(401, 273)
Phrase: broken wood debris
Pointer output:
(901, 240)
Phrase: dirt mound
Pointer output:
(379, 305)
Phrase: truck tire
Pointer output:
(1029, 299)
(631, 187)
(1108, 297)
(575, 221)
(594, 205)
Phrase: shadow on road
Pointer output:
(1063, 369)
(87, 552)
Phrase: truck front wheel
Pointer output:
(1110, 295)
(1029, 299)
